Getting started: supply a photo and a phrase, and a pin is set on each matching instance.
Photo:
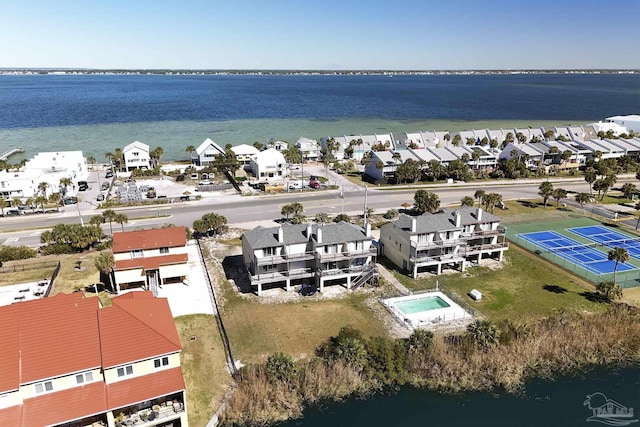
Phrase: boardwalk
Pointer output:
(5, 156)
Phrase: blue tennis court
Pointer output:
(610, 238)
(586, 256)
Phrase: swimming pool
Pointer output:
(423, 310)
(421, 304)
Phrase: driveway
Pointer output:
(193, 297)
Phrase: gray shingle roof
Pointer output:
(444, 220)
(261, 237)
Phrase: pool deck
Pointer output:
(428, 318)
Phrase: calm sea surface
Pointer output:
(544, 403)
(99, 113)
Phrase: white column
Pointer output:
(348, 282)
(439, 268)
(415, 270)
(321, 285)
(288, 285)
(500, 257)
(259, 289)
(463, 264)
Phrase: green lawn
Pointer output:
(526, 287)
(257, 330)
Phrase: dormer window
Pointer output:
(44, 387)
(137, 253)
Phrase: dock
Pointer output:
(5, 156)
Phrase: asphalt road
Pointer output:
(25, 230)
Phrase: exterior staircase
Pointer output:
(368, 274)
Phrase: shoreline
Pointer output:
(174, 136)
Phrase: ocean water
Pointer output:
(99, 113)
(549, 403)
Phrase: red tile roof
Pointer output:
(146, 387)
(151, 263)
(57, 336)
(66, 405)
(136, 328)
(149, 239)
(11, 416)
(9, 348)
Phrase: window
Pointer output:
(84, 377)
(164, 250)
(44, 386)
(163, 361)
(125, 370)
(138, 253)
(269, 251)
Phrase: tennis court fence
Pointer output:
(625, 279)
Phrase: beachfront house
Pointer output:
(309, 149)
(383, 164)
(150, 258)
(631, 122)
(269, 165)
(449, 237)
(47, 167)
(534, 154)
(308, 255)
(67, 361)
(206, 152)
(136, 156)
(277, 145)
(244, 152)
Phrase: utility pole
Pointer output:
(79, 214)
(365, 206)
(342, 197)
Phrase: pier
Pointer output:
(5, 156)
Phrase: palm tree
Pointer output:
(31, 202)
(637, 207)
(425, 201)
(65, 182)
(483, 333)
(91, 160)
(609, 291)
(121, 219)
(546, 191)
(619, 255)
(190, 149)
(55, 198)
(40, 200)
(478, 195)
(590, 176)
(628, 189)
(467, 201)
(4, 204)
(156, 155)
(110, 216)
(583, 198)
(96, 220)
(559, 194)
(43, 188)
(104, 262)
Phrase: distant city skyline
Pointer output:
(321, 35)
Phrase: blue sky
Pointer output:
(329, 34)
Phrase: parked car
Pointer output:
(151, 194)
(109, 174)
(83, 186)
(100, 197)
(70, 201)
(314, 184)
(179, 178)
(104, 186)
(296, 185)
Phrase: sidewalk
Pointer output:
(392, 280)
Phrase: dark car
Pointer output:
(104, 186)
(180, 178)
(70, 201)
(83, 186)
(100, 197)
(109, 174)
(314, 184)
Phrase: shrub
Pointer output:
(385, 360)
(281, 367)
(13, 253)
(342, 217)
(57, 249)
(390, 214)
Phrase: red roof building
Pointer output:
(64, 359)
(150, 258)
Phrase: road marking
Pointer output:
(12, 239)
(37, 233)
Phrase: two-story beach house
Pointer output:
(67, 362)
(136, 156)
(308, 255)
(206, 152)
(150, 258)
(449, 237)
(269, 165)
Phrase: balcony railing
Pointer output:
(279, 259)
(488, 247)
(274, 276)
(324, 257)
(439, 243)
(437, 258)
(156, 414)
(483, 233)
(356, 269)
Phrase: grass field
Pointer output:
(526, 287)
(203, 366)
(257, 330)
